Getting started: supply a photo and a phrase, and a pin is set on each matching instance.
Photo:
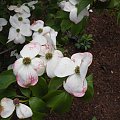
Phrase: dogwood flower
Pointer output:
(70, 6)
(19, 30)
(18, 19)
(76, 68)
(21, 9)
(31, 4)
(28, 68)
(3, 22)
(7, 107)
(51, 58)
(41, 33)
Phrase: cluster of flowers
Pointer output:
(20, 22)
(23, 13)
(41, 55)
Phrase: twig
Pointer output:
(7, 50)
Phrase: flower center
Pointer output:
(20, 19)
(26, 61)
(16, 101)
(18, 30)
(48, 56)
(77, 70)
(40, 30)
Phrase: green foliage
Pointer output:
(25, 92)
(51, 94)
(6, 79)
(84, 43)
(83, 4)
(79, 28)
(65, 25)
(9, 92)
(37, 105)
(40, 89)
(94, 118)
(55, 83)
(60, 103)
(38, 116)
(114, 3)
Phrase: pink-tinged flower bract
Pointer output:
(28, 68)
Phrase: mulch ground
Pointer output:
(106, 69)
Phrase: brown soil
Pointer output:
(106, 69)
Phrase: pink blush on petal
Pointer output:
(81, 94)
(32, 46)
(33, 80)
(19, 81)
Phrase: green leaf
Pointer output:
(10, 92)
(114, 3)
(83, 4)
(40, 89)
(65, 25)
(78, 28)
(51, 94)
(55, 83)
(60, 103)
(90, 90)
(62, 14)
(37, 104)
(94, 118)
(6, 79)
(26, 92)
(38, 116)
